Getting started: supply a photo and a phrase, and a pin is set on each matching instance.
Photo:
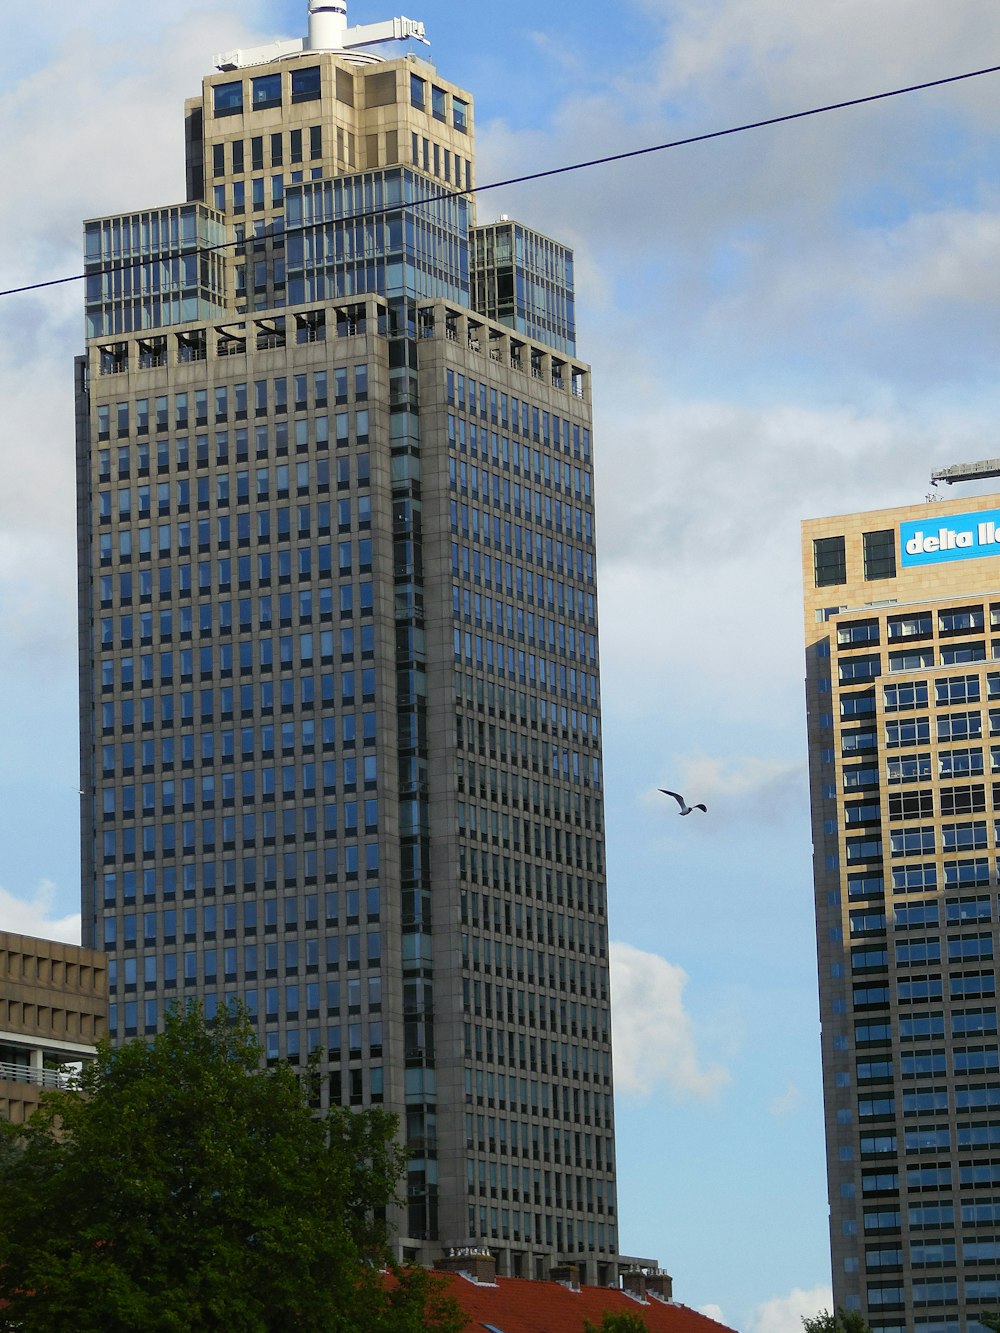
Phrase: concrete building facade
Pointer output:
(340, 713)
(902, 627)
(53, 1008)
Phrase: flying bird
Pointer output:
(685, 808)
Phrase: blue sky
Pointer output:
(792, 322)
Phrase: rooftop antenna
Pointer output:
(328, 31)
(327, 25)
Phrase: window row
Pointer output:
(938, 1139)
(192, 837)
(226, 402)
(561, 558)
(918, 1027)
(548, 884)
(521, 417)
(267, 90)
(276, 149)
(830, 557)
(553, 760)
(532, 669)
(906, 915)
(246, 615)
(966, 836)
(518, 706)
(981, 1097)
(246, 572)
(917, 731)
(439, 103)
(969, 798)
(302, 736)
(922, 952)
(977, 984)
(242, 487)
(242, 658)
(165, 795)
(947, 690)
(918, 625)
(506, 617)
(556, 1233)
(570, 520)
(429, 156)
(175, 453)
(499, 450)
(251, 961)
(937, 1216)
(247, 701)
(251, 874)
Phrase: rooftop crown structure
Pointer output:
(338, 633)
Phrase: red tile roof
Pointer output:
(517, 1305)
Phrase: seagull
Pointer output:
(685, 808)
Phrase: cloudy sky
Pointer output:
(795, 321)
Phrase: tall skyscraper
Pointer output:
(340, 714)
(903, 680)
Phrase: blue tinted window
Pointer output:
(267, 90)
(228, 99)
(305, 84)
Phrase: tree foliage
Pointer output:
(843, 1321)
(185, 1188)
(626, 1322)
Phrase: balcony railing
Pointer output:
(42, 1078)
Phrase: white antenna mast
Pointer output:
(328, 31)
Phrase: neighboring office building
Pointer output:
(902, 622)
(340, 714)
(53, 1008)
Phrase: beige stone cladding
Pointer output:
(902, 636)
(53, 1008)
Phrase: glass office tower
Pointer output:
(340, 714)
(903, 684)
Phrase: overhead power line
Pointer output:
(530, 176)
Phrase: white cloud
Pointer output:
(34, 916)
(746, 787)
(88, 97)
(699, 503)
(783, 1314)
(653, 1036)
(786, 1103)
(711, 1311)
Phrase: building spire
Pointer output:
(327, 25)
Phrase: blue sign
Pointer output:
(958, 537)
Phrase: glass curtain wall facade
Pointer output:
(903, 684)
(340, 709)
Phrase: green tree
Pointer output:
(844, 1321)
(989, 1320)
(616, 1323)
(184, 1188)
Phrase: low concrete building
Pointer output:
(53, 1009)
(563, 1303)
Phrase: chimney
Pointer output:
(661, 1285)
(634, 1284)
(478, 1266)
(567, 1274)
